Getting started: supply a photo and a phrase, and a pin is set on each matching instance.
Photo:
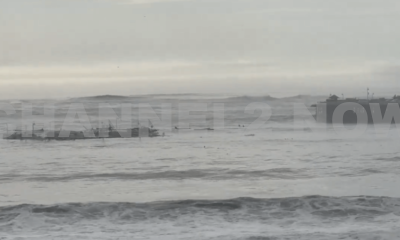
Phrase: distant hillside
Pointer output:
(252, 98)
(102, 97)
(297, 97)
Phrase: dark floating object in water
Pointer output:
(181, 128)
(64, 135)
(206, 129)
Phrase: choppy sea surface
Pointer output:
(279, 180)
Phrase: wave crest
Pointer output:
(317, 206)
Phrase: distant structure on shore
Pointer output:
(369, 110)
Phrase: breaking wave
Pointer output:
(249, 208)
(316, 211)
(210, 174)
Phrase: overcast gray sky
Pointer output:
(68, 48)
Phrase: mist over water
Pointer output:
(281, 180)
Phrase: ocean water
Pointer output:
(278, 180)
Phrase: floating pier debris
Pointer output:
(63, 135)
